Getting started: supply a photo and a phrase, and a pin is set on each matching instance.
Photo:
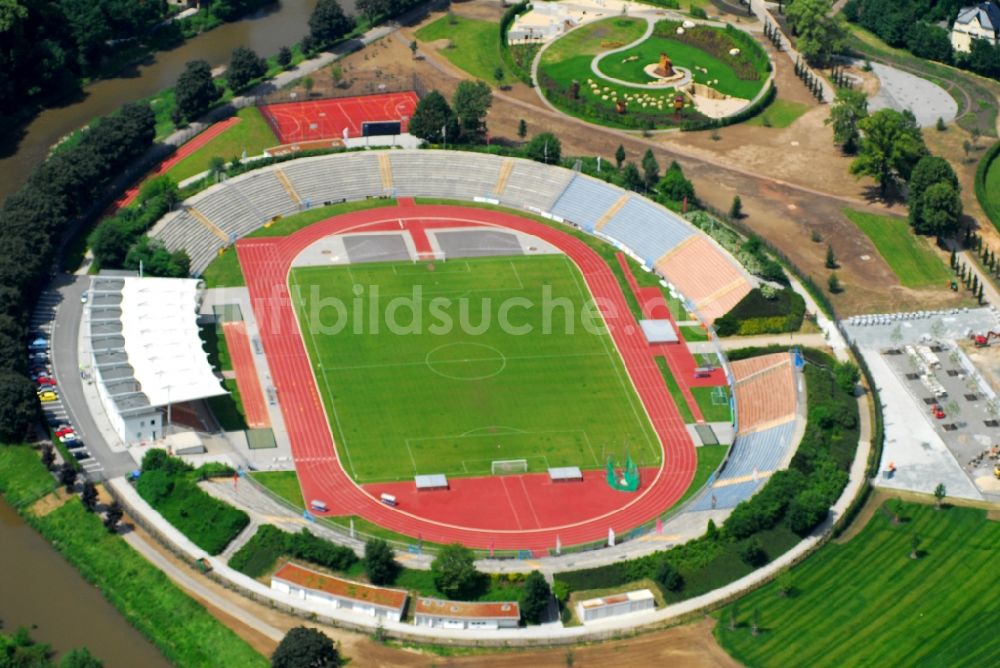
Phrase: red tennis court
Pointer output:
(326, 119)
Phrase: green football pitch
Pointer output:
(449, 389)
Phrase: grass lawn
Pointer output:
(693, 333)
(707, 398)
(552, 394)
(228, 408)
(991, 201)
(682, 55)
(675, 391)
(779, 114)
(475, 46)
(251, 134)
(186, 633)
(709, 459)
(865, 602)
(909, 256)
(23, 479)
(283, 483)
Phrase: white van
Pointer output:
(388, 499)
(318, 506)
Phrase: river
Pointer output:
(266, 32)
(40, 587)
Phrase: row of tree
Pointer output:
(34, 220)
(819, 33)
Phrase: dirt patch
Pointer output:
(51, 502)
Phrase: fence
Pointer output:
(350, 85)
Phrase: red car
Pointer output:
(63, 431)
(45, 381)
(937, 412)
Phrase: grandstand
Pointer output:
(765, 393)
(701, 271)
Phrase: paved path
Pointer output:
(815, 340)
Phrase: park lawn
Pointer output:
(675, 391)
(252, 135)
(475, 46)
(284, 484)
(555, 395)
(711, 411)
(865, 602)
(682, 55)
(909, 256)
(779, 114)
(693, 333)
(23, 479)
(992, 200)
(597, 37)
(224, 271)
(186, 633)
(709, 459)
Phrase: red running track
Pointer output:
(326, 119)
(267, 262)
(247, 380)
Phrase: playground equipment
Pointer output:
(629, 479)
(983, 340)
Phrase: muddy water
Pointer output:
(39, 587)
(279, 25)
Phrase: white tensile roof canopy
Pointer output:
(158, 317)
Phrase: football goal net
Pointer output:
(506, 466)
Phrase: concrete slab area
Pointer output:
(901, 90)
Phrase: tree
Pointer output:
(915, 546)
(498, 76)
(328, 23)
(18, 405)
(545, 148)
(244, 66)
(650, 169)
(619, 156)
(195, 90)
(752, 552)
(284, 57)
(380, 562)
(831, 259)
(413, 49)
(847, 111)
(736, 208)
(819, 34)
(113, 516)
(833, 283)
(471, 102)
(675, 186)
(89, 496)
(939, 493)
(372, 9)
(755, 623)
(48, 456)
(928, 171)
(847, 376)
(431, 118)
(667, 575)
(80, 658)
(631, 178)
(455, 574)
(535, 598)
(891, 145)
(522, 129)
(304, 647)
(940, 210)
(67, 476)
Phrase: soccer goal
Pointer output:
(507, 466)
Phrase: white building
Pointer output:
(436, 613)
(146, 351)
(310, 585)
(611, 606)
(980, 21)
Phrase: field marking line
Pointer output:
(590, 446)
(520, 284)
(413, 459)
(510, 502)
(326, 382)
(461, 361)
(626, 387)
(531, 506)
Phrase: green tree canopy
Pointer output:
(328, 22)
(940, 210)
(820, 35)
(846, 113)
(195, 90)
(380, 562)
(650, 169)
(455, 574)
(928, 171)
(544, 147)
(535, 598)
(432, 117)
(244, 66)
(891, 145)
(304, 647)
(675, 186)
(471, 102)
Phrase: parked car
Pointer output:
(48, 396)
(73, 445)
(81, 455)
(69, 438)
(45, 381)
(62, 430)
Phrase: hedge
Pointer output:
(757, 313)
(505, 55)
(984, 167)
(745, 114)
(261, 552)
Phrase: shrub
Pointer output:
(262, 551)
(667, 575)
(752, 553)
(758, 314)
(380, 562)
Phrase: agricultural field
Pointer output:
(867, 602)
(451, 399)
(910, 257)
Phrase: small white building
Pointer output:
(310, 585)
(981, 21)
(611, 606)
(435, 613)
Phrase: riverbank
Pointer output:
(180, 627)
